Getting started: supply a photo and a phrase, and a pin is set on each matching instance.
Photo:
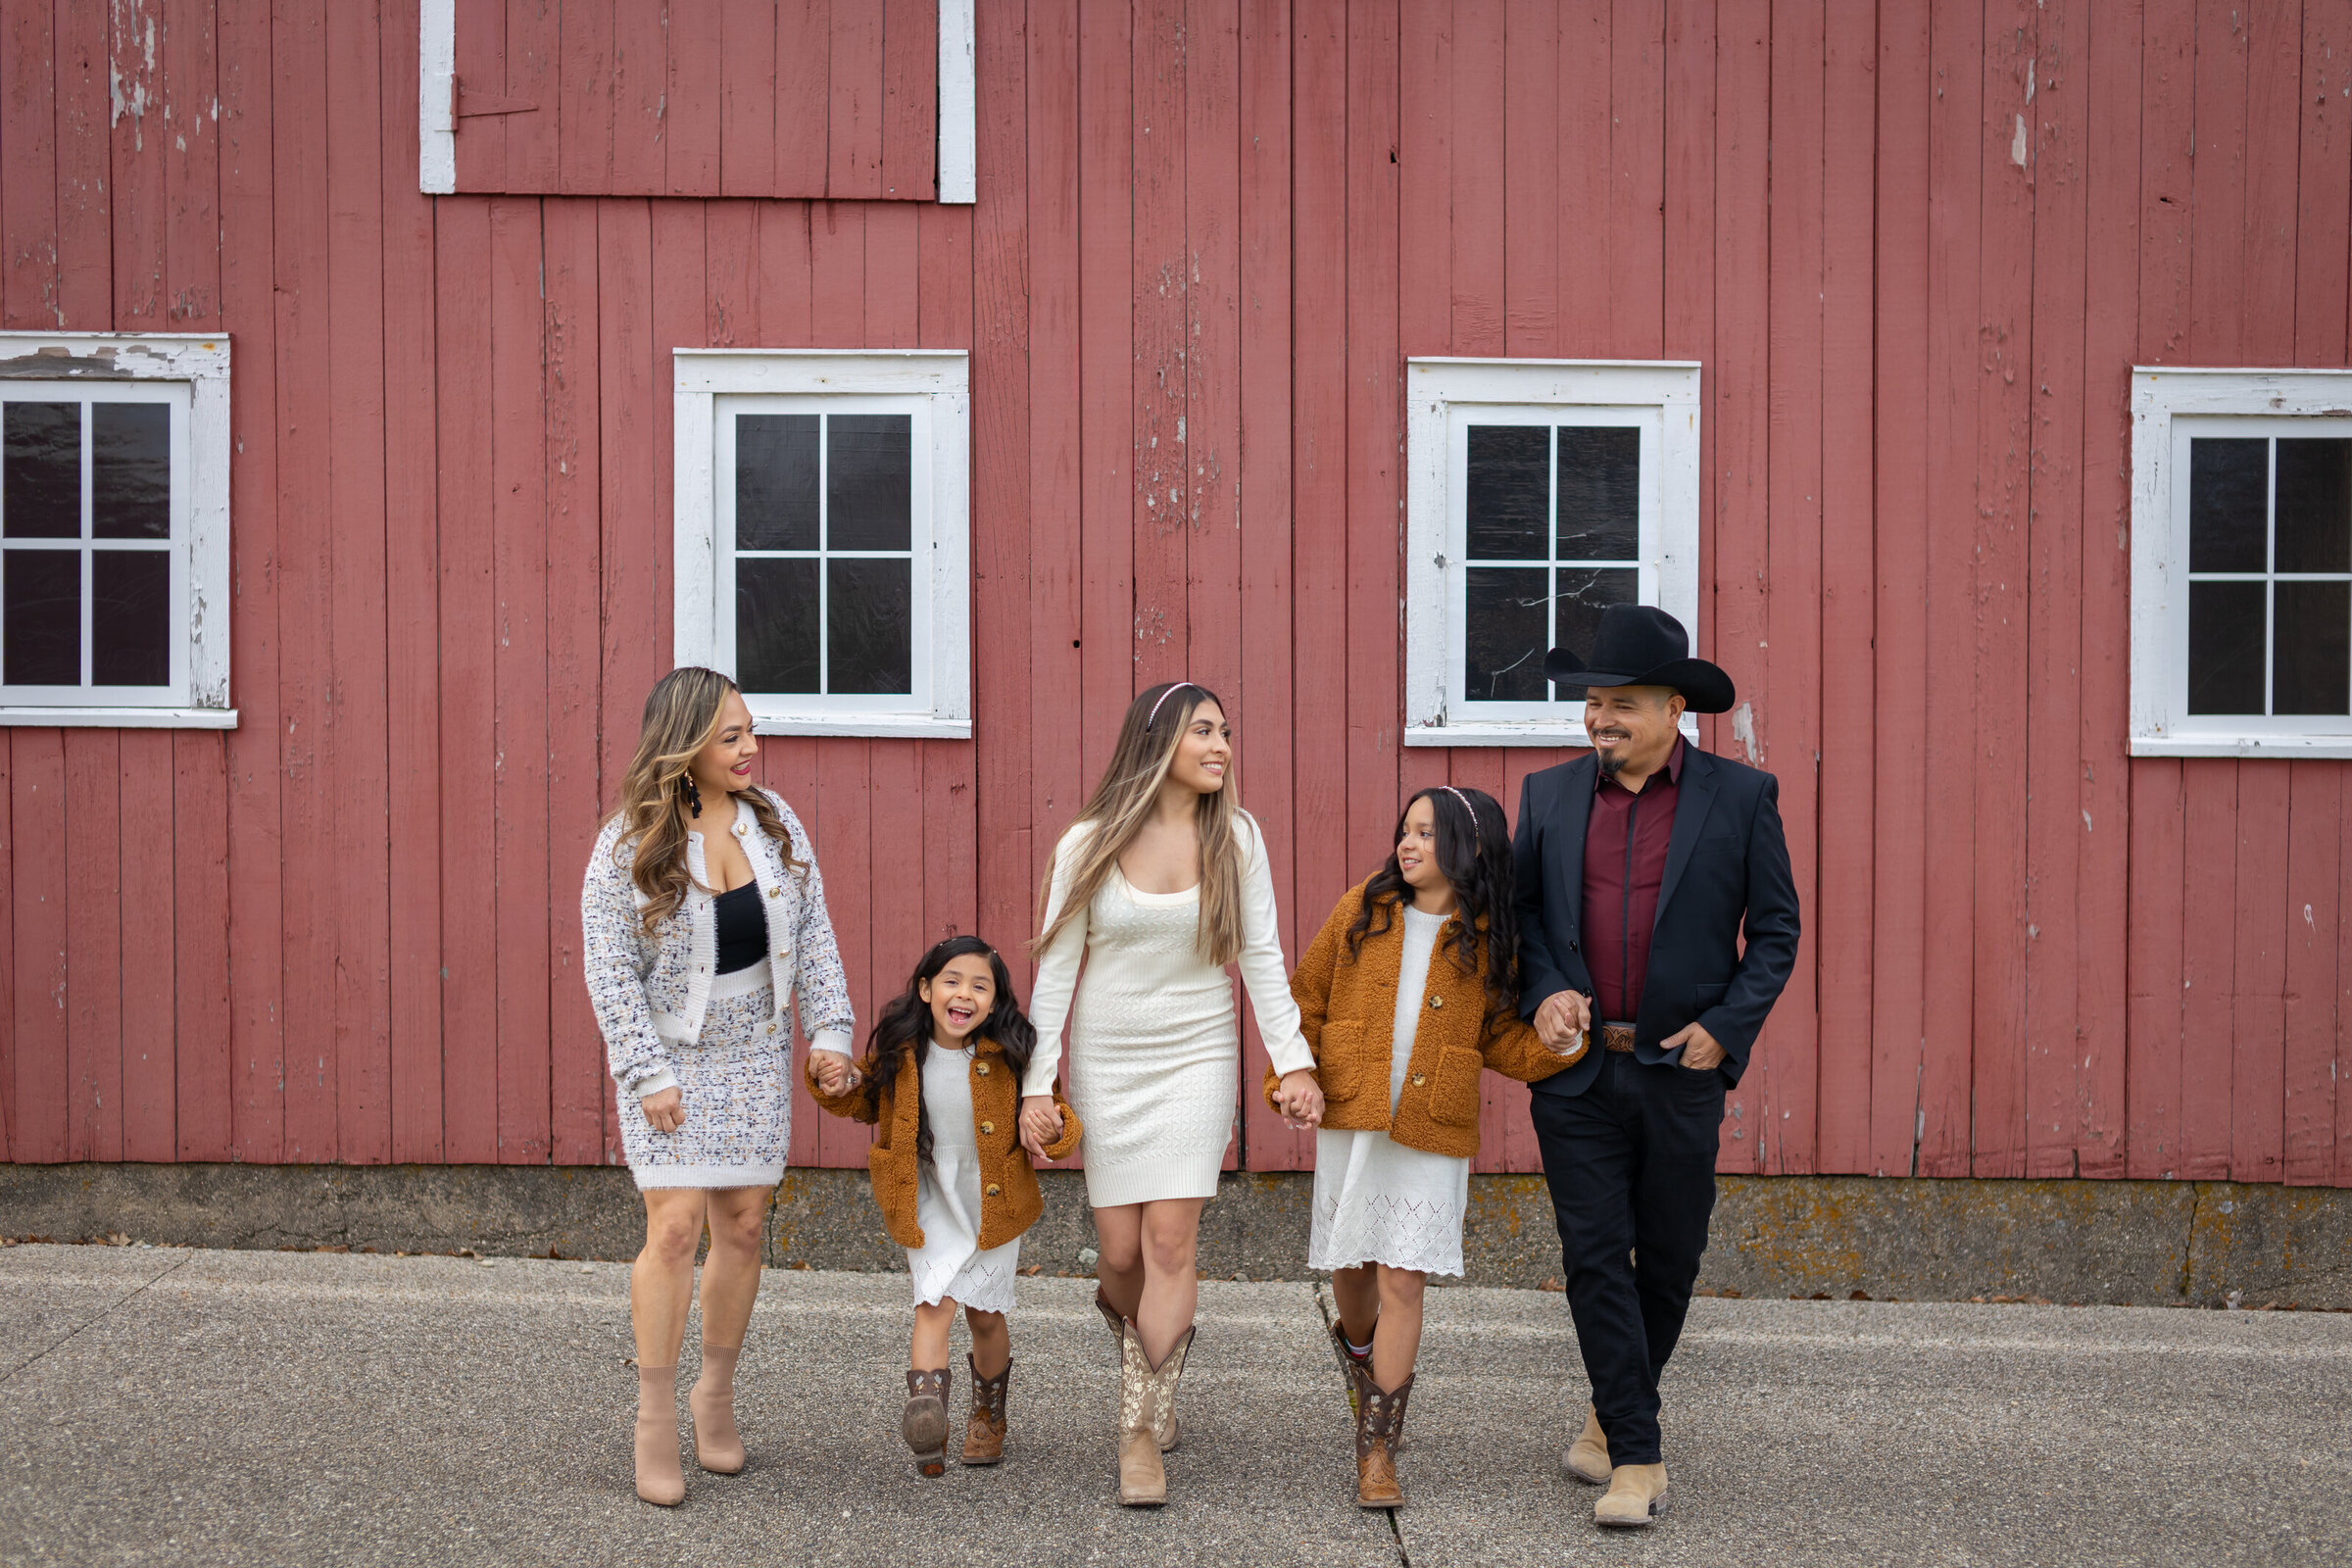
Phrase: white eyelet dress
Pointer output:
(947, 1198)
(1154, 1033)
(723, 1040)
(1376, 1200)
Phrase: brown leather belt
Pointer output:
(1617, 1037)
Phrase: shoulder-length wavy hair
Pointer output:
(1474, 851)
(1155, 722)
(902, 1032)
(681, 717)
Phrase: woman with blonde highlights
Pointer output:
(1160, 884)
(702, 913)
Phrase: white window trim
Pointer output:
(2160, 726)
(203, 362)
(1433, 583)
(437, 108)
(699, 377)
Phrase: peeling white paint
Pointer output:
(2017, 144)
(1743, 729)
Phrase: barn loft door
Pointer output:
(791, 98)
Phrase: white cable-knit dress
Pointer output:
(951, 1263)
(1155, 1052)
(1376, 1200)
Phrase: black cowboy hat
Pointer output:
(1640, 644)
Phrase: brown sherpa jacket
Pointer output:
(1348, 1011)
(1009, 1199)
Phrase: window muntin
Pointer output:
(2270, 572)
(94, 543)
(820, 517)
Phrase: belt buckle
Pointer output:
(1618, 1036)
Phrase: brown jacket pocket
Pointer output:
(1340, 1068)
(1454, 1098)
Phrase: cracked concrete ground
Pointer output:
(168, 1407)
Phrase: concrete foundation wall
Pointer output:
(2147, 1244)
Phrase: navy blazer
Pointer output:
(1726, 867)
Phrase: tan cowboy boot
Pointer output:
(1145, 1390)
(661, 1479)
(984, 1428)
(1637, 1495)
(1587, 1457)
(1378, 1426)
(717, 1444)
(924, 1425)
(1165, 1426)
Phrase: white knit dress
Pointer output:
(951, 1263)
(1376, 1200)
(1154, 1035)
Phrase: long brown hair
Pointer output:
(681, 716)
(1122, 801)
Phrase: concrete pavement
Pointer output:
(175, 1406)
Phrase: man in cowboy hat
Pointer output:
(1637, 868)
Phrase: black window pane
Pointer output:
(40, 608)
(870, 483)
(2227, 482)
(42, 454)
(775, 481)
(1504, 632)
(2315, 505)
(870, 626)
(131, 471)
(1585, 592)
(2310, 666)
(2224, 647)
(775, 625)
(1600, 493)
(1507, 498)
(130, 618)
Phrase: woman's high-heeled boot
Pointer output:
(1145, 1393)
(661, 1479)
(924, 1425)
(718, 1446)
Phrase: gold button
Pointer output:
(777, 892)
(981, 1068)
(1419, 1079)
(988, 1126)
(1435, 1002)
(994, 1190)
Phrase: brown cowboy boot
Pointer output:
(984, 1428)
(1637, 1495)
(1166, 1428)
(1357, 1369)
(1145, 1390)
(924, 1425)
(1378, 1425)
(1587, 1457)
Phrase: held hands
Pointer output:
(1701, 1052)
(1300, 1099)
(1040, 1124)
(1563, 1020)
(835, 1074)
(665, 1112)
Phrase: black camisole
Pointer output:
(742, 928)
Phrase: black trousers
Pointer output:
(1630, 1163)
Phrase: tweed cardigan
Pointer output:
(1011, 1200)
(1348, 1011)
(649, 991)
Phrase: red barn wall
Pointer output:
(1915, 246)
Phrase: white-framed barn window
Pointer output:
(113, 530)
(2241, 563)
(823, 513)
(1538, 492)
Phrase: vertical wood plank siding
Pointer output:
(1915, 243)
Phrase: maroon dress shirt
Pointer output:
(1624, 861)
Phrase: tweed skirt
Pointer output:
(737, 1084)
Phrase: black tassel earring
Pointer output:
(694, 798)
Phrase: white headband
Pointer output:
(1476, 838)
(1153, 716)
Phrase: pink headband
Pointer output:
(1476, 839)
(1153, 716)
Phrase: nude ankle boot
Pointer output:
(718, 1446)
(661, 1479)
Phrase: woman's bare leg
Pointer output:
(1119, 1256)
(662, 1281)
(1171, 1234)
(737, 1219)
(1397, 1342)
